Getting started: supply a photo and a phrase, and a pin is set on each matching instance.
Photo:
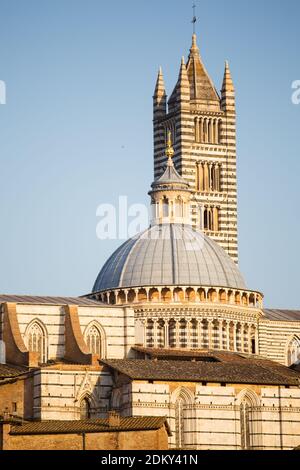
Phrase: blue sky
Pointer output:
(77, 130)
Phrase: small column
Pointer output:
(249, 339)
(200, 334)
(136, 299)
(242, 337)
(216, 140)
(155, 339)
(218, 177)
(216, 219)
(200, 130)
(196, 130)
(177, 335)
(206, 130)
(188, 327)
(221, 335)
(144, 322)
(206, 177)
(166, 329)
(159, 294)
(235, 336)
(256, 341)
(210, 338)
(209, 177)
(228, 335)
(201, 177)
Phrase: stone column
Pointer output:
(235, 336)
(228, 334)
(144, 322)
(249, 339)
(206, 177)
(201, 177)
(210, 338)
(155, 339)
(242, 337)
(188, 340)
(256, 341)
(177, 337)
(201, 130)
(200, 334)
(197, 129)
(166, 329)
(221, 335)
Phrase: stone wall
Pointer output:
(133, 440)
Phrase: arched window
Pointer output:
(165, 207)
(179, 422)
(179, 207)
(183, 426)
(245, 410)
(85, 409)
(93, 340)
(37, 341)
(293, 351)
(250, 420)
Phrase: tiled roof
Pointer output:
(187, 353)
(9, 371)
(39, 300)
(89, 426)
(239, 370)
(282, 315)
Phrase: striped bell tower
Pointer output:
(203, 128)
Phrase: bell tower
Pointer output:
(203, 128)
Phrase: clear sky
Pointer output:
(77, 130)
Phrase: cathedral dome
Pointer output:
(169, 254)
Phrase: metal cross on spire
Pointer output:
(194, 20)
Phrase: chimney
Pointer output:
(113, 419)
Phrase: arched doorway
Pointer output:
(85, 409)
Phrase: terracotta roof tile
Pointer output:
(9, 371)
(252, 371)
(89, 426)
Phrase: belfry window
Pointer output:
(208, 130)
(210, 221)
(208, 177)
(37, 342)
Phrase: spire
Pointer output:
(183, 83)
(201, 85)
(160, 96)
(160, 90)
(227, 81)
(228, 93)
(194, 49)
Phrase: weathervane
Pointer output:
(194, 20)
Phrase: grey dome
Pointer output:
(169, 255)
